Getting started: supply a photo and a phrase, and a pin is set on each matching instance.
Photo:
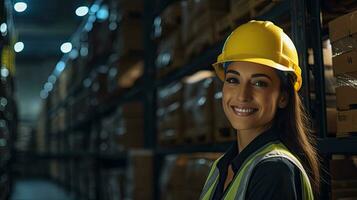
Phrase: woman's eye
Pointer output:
(260, 84)
(232, 80)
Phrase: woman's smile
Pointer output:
(243, 111)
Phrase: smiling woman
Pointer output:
(273, 157)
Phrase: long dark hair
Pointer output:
(296, 133)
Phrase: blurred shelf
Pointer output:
(201, 62)
(105, 157)
(194, 148)
(337, 145)
(117, 160)
(280, 8)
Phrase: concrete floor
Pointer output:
(38, 190)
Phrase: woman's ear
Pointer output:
(283, 99)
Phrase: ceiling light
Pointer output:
(66, 47)
(43, 94)
(20, 6)
(94, 8)
(81, 11)
(4, 72)
(103, 13)
(3, 28)
(19, 46)
(48, 87)
(60, 66)
(52, 79)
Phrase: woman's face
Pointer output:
(251, 95)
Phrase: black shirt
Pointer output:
(274, 178)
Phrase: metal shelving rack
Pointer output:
(306, 32)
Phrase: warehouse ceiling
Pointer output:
(42, 27)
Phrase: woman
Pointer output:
(273, 157)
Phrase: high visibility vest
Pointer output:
(238, 188)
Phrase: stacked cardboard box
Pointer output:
(41, 130)
(198, 24)
(330, 85)
(343, 36)
(113, 184)
(343, 171)
(170, 114)
(223, 130)
(167, 32)
(198, 107)
(122, 130)
(125, 61)
(140, 175)
(131, 134)
(183, 169)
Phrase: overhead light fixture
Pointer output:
(52, 79)
(4, 72)
(60, 66)
(103, 13)
(20, 6)
(94, 8)
(3, 28)
(48, 87)
(73, 54)
(19, 46)
(66, 47)
(43, 94)
(82, 11)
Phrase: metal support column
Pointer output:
(319, 80)
(150, 133)
(298, 24)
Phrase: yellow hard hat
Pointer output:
(264, 43)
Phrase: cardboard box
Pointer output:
(132, 110)
(331, 114)
(345, 63)
(170, 20)
(140, 174)
(344, 45)
(131, 75)
(170, 124)
(130, 37)
(346, 96)
(170, 113)
(170, 53)
(343, 169)
(198, 105)
(343, 26)
(223, 130)
(347, 121)
(130, 7)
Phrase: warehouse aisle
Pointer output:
(33, 189)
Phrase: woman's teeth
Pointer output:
(244, 111)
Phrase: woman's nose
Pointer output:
(244, 92)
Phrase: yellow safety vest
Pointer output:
(237, 189)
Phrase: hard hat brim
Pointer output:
(218, 66)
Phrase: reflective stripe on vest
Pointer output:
(237, 189)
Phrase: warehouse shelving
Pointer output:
(303, 25)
